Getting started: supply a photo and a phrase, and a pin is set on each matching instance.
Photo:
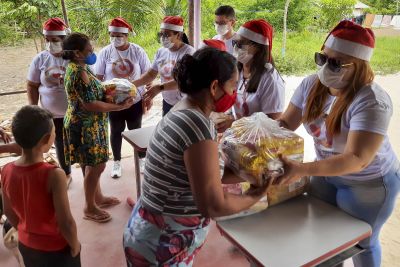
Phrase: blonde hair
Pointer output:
(319, 93)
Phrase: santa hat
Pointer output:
(351, 39)
(173, 23)
(217, 44)
(119, 25)
(258, 31)
(55, 26)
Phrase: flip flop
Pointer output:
(99, 218)
(113, 201)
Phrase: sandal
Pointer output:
(99, 218)
(112, 201)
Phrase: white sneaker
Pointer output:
(141, 165)
(116, 170)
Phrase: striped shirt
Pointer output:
(166, 187)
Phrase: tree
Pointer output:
(333, 11)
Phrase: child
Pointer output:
(35, 198)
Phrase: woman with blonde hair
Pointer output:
(348, 115)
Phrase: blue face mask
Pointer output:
(91, 59)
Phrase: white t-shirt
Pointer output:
(129, 64)
(164, 62)
(269, 97)
(49, 71)
(370, 111)
(228, 42)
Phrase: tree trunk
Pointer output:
(191, 21)
(64, 11)
(284, 28)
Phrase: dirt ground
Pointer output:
(14, 64)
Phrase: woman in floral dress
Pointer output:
(86, 123)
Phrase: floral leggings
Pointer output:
(157, 240)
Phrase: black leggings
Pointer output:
(37, 258)
(59, 143)
(166, 108)
(132, 117)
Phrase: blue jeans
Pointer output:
(372, 201)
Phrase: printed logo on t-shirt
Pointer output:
(123, 68)
(55, 75)
(166, 68)
(318, 130)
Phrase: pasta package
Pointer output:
(118, 90)
(251, 148)
(280, 193)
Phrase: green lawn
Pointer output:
(300, 49)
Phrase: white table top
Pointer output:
(303, 231)
(139, 138)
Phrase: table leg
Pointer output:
(137, 173)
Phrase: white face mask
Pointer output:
(242, 55)
(221, 29)
(54, 47)
(117, 41)
(166, 42)
(332, 79)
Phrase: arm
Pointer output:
(274, 116)
(154, 90)
(360, 150)
(8, 211)
(11, 148)
(100, 106)
(65, 221)
(33, 92)
(291, 118)
(100, 77)
(146, 78)
(201, 160)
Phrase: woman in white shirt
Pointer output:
(348, 115)
(175, 46)
(260, 87)
(122, 59)
(45, 82)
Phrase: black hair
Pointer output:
(257, 68)
(197, 72)
(185, 39)
(74, 42)
(226, 11)
(30, 124)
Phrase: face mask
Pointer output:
(242, 55)
(54, 47)
(225, 102)
(221, 29)
(91, 59)
(332, 79)
(117, 41)
(166, 42)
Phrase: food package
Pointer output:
(118, 90)
(251, 148)
(280, 193)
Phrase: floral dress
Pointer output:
(85, 132)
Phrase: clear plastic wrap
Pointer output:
(118, 90)
(251, 147)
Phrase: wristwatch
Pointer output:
(161, 87)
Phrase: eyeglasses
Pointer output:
(240, 44)
(334, 65)
(164, 34)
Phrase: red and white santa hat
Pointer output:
(258, 31)
(217, 44)
(173, 23)
(55, 26)
(119, 25)
(351, 39)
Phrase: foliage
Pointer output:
(384, 7)
(333, 11)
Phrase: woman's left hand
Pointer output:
(5, 136)
(151, 92)
(293, 171)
